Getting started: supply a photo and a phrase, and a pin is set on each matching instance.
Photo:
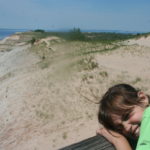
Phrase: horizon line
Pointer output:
(82, 30)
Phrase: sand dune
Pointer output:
(143, 41)
(46, 104)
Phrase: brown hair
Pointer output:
(119, 100)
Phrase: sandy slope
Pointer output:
(48, 108)
(143, 41)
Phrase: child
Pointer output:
(124, 113)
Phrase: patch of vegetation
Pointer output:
(101, 50)
(39, 30)
(104, 74)
(139, 35)
(32, 41)
(88, 63)
(108, 37)
(86, 77)
(137, 80)
(44, 115)
(6, 76)
(64, 135)
(44, 64)
(76, 35)
(42, 50)
(89, 116)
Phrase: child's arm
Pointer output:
(118, 140)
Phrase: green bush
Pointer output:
(76, 35)
(32, 41)
(39, 30)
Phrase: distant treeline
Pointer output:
(76, 35)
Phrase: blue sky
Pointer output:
(126, 15)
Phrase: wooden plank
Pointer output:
(97, 142)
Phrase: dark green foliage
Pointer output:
(108, 37)
(32, 41)
(39, 30)
(76, 35)
(138, 35)
(105, 37)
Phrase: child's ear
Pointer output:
(143, 97)
(141, 94)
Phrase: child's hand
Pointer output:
(111, 136)
(118, 140)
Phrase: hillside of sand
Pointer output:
(49, 90)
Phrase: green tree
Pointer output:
(76, 35)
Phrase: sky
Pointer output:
(125, 15)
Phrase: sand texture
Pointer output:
(49, 92)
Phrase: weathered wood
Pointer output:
(97, 142)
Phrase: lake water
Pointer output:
(7, 32)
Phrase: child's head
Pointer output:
(121, 109)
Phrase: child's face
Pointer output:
(131, 122)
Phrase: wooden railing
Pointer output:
(94, 143)
(97, 142)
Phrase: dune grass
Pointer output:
(76, 35)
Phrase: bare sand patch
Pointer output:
(143, 41)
